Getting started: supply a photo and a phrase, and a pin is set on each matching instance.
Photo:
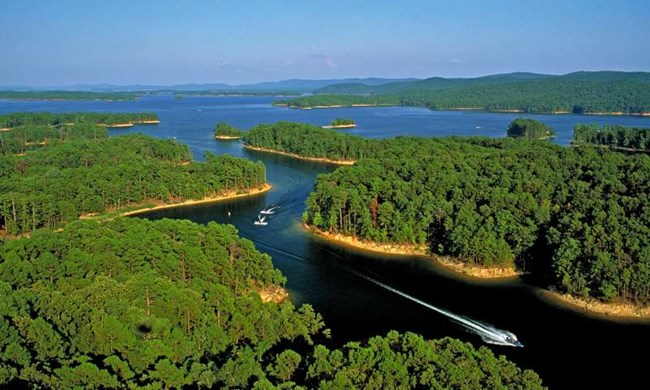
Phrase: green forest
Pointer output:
(622, 137)
(169, 304)
(309, 141)
(529, 129)
(226, 130)
(576, 218)
(580, 92)
(16, 119)
(92, 173)
(132, 303)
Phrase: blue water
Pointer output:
(568, 349)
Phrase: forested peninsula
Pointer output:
(77, 170)
(615, 137)
(616, 93)
(577, 219)
(131, 303)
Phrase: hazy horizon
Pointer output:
(74, 42)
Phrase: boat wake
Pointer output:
(488, 333)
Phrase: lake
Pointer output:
(568, 349)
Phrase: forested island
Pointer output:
(66, 95)
(121, 303)
(616, 137)
(341, 123)
(529, 129)
(617, 93)
(224, 131)
(575, 219)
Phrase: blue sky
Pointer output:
(63, 42)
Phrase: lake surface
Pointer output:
(567, 348)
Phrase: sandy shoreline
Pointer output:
(611, 311)
(318, 159)
(339, 126)
(227, 137)
(618, 311)
(231, 195)
(467, 270)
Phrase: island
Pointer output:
(488, 207)
(226, 132)
(341, 123)
(529, 129)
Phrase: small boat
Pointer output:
(269, 211)
(261, 221)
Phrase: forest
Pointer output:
(309, 141)
(66, 95)
(227, 131)
(580, 92)
(8, 121)
(622, 137)
(575, 218)
(59, 182)
(529, 129)
(131, 303)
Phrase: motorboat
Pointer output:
(261, 221)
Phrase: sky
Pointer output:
(166, 42)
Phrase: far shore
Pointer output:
(515, 111)
(227, 137)
(318, 159)
(619, 311)
(457, 267)
(230, 195)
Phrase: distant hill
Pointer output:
(579, 92)
(292, 85)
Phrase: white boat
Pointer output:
(269, 211)
(261, 221)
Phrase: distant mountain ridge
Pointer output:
(579, 92)
(293, 85)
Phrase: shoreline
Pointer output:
(317, 159)
(474, 272)
(227, 137)
(624, 312)
(513, 111)
(230, 195)
(591, 307)
(131, 124)
(339, 126)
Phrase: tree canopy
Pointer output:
(529, 129)
(622, 137)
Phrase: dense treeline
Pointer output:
(581, 92)
(577, 218)
(226, 130)
(22, 138)
(613, 136)
(131, 303)
(529, 129)
(66, 95)
(56, 119)
(56, 184)
(309, 141)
